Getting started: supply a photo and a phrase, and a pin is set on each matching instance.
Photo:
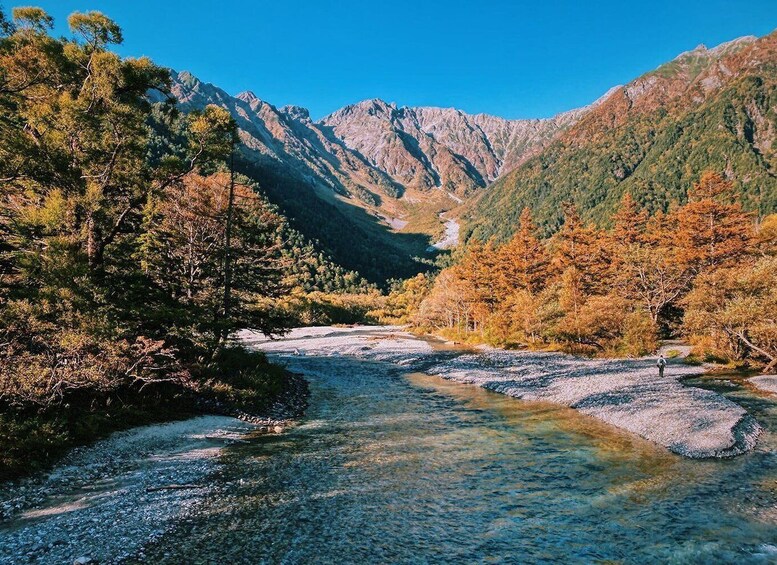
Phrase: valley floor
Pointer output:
(626, 393)
(119, 499)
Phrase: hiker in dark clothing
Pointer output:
(661, 363)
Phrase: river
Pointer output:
(451, 237)
(391, 466)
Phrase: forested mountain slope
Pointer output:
(708, 109)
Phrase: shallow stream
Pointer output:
(390, 467)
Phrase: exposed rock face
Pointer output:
(374, 149)
(371, 153)
(289, 138)
(444, 148)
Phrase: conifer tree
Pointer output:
(712, 230)
(630, 222)
(586, 249)
(523, 261)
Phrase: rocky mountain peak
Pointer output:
(370, 107)
(701, 56)
(296, 112)
(248, 97)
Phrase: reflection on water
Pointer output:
(411, 468)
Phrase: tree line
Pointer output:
(705, 270)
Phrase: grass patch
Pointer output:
(244, 379)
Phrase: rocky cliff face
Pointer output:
(373, 149)
(426, 148)
(288, 139)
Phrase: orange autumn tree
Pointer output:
(612, 292)
(479, 270)
(712, 229)
(444, 308)
(766, 236)
(735, 309)
(523, 261)
(584, 248)
(647, 269)
(581, 258)
(524, 269)
(184, 250)
(630, 223)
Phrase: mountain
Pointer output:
(371, 181)
(441, 148)
(706, 109)
(327, 192)
(355, 179)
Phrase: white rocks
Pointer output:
(451, 237)
(626, 393)
(767, 383)
(96, 505)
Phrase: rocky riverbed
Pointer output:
(626, 393)
(104, 502)
(396, 460)
(766, 383)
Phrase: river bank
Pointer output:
(393, 464)
(107, 500)
(625, 393)
(104, 501)
(37, 432)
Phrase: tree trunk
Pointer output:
(228, 253)
(93, 254)
(771, 357)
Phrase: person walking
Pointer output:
(661, 363)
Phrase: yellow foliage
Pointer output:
(602, 292)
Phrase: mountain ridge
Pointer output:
(707, 109)
(504, 140)
(386, 168)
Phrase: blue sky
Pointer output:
(512, 59)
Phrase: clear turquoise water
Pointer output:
(392, 468)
